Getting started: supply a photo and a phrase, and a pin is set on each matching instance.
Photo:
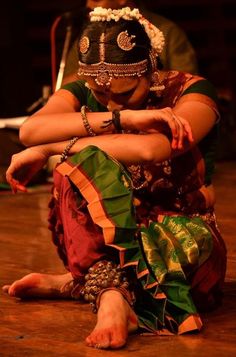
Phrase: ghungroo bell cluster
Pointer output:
(101, 276)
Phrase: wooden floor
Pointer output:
(58, 328)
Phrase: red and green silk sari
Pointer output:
(156, 220)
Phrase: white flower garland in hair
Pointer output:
(155, 35)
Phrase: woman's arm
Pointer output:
(60, 120)
(200, 116)
(126, 148)
(154, 146)
(195, 120)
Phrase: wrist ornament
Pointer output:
(65, 152)
(87, 126)
(115, 121)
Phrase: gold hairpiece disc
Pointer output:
(84, 44)
(124, 41)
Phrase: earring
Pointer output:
(87, 85)
(157, 86)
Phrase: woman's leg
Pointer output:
(78, 242)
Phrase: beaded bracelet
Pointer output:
(85, 121)
(65, 153)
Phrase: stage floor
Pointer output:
(58, 328)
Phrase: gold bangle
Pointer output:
(85, 121)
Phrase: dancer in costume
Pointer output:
(132, 213)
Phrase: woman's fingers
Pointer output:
(17, 186)
(180, 128)
(181, 134)
(175, 126)
(9, 173)
(12, 169)
(187, 129)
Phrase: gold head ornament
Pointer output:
(104, 71)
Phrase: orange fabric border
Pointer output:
(93, 198)
(193, 322)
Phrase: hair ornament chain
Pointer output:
(104, 72)
(156, 36)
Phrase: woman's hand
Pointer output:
(24, 165)
(161, 120)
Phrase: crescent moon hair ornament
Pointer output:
(124, 41)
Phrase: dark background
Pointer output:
(25, 60)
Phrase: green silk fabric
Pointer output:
(162, 255)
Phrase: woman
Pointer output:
(132, 209)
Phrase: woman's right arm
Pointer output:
(60, 119)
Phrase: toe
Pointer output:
(5, 288)
(117, 343)
(118, 339)
(98, 339)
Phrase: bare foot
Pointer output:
(41, 285)
(114, 321)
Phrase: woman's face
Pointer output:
(123, 93)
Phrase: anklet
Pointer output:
(104, 276)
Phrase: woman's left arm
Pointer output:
(188, 121)
(200, 116)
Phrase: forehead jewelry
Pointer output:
(104, 71)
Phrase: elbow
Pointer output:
(155, 155)
(148, 156)
(25, 137)
(156, 150)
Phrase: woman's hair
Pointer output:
(113, 53)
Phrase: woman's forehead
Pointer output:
(117, 85)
